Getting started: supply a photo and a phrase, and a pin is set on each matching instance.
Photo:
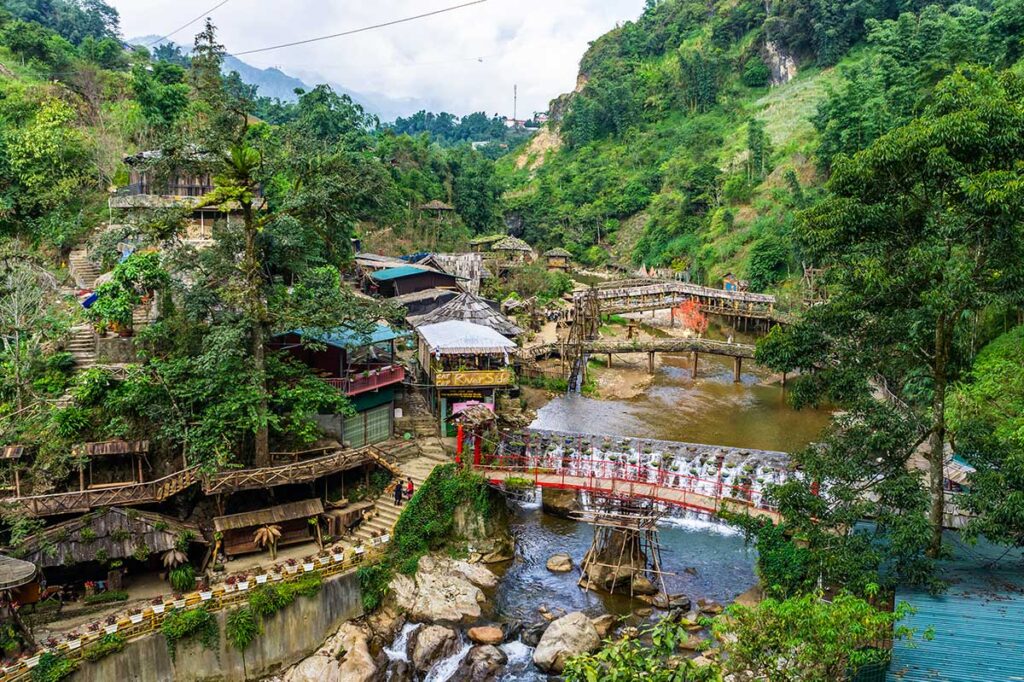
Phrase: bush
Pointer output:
(182, 625)
(106, 597)
(52, 668)
(183, 578)
(266, 600)
(242, 628)
(373, 584)
(108, 644)
(755, 73)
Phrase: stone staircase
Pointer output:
(385, 512)
(82, 346)
(82, 270)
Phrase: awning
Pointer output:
(262, 517)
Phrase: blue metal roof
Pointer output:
(978, 622)
(346, 337)
(397, 273)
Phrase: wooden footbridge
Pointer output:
(300, 470)
(639, 295)
(579, 463)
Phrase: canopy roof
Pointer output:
(511, 244)
(116, 532)
(262, 517)
(470, 308)
(347, 337)
(558, 252)
(456, 337)
(111, 448)
(399, 272)
(15, 572)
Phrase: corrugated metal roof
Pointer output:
(978, 622)
(346, 337)
(456, 337)
(398, 273)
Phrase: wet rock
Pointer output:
(559, 502)
(486, 634)
(642, 585)
(604, 624)
(431, 644)
(568, 636)
(344, 657)
(482, 664)
(691, 570)
(643, 612)
(751, 597)
(560, 563)
(692, 643)
(708, 607)
(671, 601)
(532, 633)
(400, 671)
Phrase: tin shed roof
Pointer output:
(455, 337)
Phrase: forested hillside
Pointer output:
(699, 131)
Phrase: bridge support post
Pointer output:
(650, 363)
(693, 371)
(737, 367)
(609, 361)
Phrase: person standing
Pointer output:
(409, 489)
(398, 494)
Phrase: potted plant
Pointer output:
(135, 616)
(158, 604)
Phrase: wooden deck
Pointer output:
(80, 501)
(297, 472)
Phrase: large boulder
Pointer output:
(431, 644)
(570, 635)
(486, 634)
(604, 624)
(559, 502)
(487, 535)
(443, 591)
(560, 563)
(345, 657)
(482, 664)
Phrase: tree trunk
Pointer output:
(257, 318)
(937, 440)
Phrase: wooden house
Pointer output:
(557, 260)
(468, 267)
(483, 244)
(361, 365)
(732, 283)
(408, 279)
(85, 547)
(438, 210)
(237, 531)
(470, 308)
(513, 251)
(463, 364)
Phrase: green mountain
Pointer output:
(699, 131)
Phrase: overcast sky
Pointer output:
(536, 44)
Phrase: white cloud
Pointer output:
(466, 60)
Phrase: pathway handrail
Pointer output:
(132, 493)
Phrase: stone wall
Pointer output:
(115, 350)
(290, 635)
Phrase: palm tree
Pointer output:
(174, 557)
(267, 536)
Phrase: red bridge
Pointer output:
(646, 474)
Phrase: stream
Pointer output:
(707, 559)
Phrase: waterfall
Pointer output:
(398, 649)
(445, 668)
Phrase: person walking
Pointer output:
(398, 494)
(409, 489)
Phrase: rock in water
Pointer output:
(568, 636)
(443, 591)
(432, 643)
(482, 664)
(532, 633)
(486, 634)
(604, 624)
(560, 563)
(559, 502)
(345, 657)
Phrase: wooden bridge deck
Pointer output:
(80, 501)
(284, 474)
(632, 296)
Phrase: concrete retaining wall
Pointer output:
(290, 635)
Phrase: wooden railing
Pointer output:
(79, 501)
(297, 472)
(484, 377)
(371, 380)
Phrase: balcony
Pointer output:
(369, 380)
(483, 377)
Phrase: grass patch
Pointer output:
(106, 597)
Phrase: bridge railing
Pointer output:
(566, 469)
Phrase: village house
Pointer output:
(470, 308)
(463, 364)
(361, 365)
(408, 279)
(557, 260)
(238, 532)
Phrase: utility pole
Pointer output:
(515, 103)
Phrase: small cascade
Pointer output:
(443, 670)
(398, 651)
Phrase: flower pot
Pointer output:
(135, 618)
(307, 567)
(260, 579)
(179, 603)
(159, 608)
(292, 570)
(338, 558)
(244, 585)
(75, 644)
(324, 560)
(206, 596)
(110, 629)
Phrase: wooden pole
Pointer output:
(783, 380)
(17, 481)
(693, 372)
(609, 361)
(81, 478)
(650, 362)
(737, 369)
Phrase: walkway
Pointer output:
(632, 296)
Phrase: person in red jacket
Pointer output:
(409, 489)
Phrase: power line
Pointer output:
(184, 26)
(361, 30)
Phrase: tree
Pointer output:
(267, 536)
(806, 639)
(759, 150)
(920, 230)
(986, 416)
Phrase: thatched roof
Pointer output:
(557, 252)
(511, 244)
(15, 572)
(489, 239)
(474, 416)
(470, 308)
(436, 205)
(111, 447)
(116, 532)
(262, 517)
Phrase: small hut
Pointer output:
(85, 548)
(732, 283)
(122, 462)
(470, 308)
(437, 209)
(513, 250)
(557, 259)
(481, 244)
(238, 530)
(10, 469)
